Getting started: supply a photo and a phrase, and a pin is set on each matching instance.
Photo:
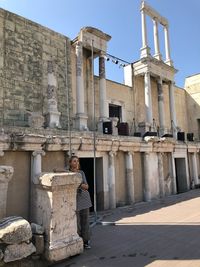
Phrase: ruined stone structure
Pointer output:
(47, 113)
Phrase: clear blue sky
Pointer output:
(121, 19)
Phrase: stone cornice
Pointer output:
(83, 141)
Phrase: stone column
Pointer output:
(147, 180)
(36, 170)
(36, 167)
(148, 99)
(172, 108)
(194, 169)
(167, 46)
(111, 180)
(6, 173)
(53, 116)
(145, 50)
(161, 110)
(81, 118)
(103, 106)
(156, 40)
(55, 207)
(130, 177)
(173, 173)
(161, 175)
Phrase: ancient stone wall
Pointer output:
(25, 48)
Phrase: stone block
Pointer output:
(54, 207)
(37, 229)
(18, 251)
(9, 25)
(14, 230)
(1, 254)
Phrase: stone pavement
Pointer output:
(157, 234)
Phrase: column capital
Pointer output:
(38, 152)
(6, 173)
(79, 43)
(147, 72)
(159, 80)
(112, 153)
(166, 26)
(130, 153)
(102, 54)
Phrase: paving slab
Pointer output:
(162, 233)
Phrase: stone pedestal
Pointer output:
(145, 127)
(53, 119)
(6, 173)
(55, 206)
(81, 122)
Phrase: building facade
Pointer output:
(52, 105)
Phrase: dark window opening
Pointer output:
(115, 111)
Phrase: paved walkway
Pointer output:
(157, 234)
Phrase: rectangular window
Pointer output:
(115, 111)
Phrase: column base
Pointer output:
(158, 56)
(81, 122)
(100, 123)
(169, 62)
(145, 52)
(165, 132)
(53, 119)
(145, 127)
(64, 249)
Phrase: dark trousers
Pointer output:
(83, 225)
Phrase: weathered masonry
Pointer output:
(145, 147)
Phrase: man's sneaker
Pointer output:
(87, 245)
